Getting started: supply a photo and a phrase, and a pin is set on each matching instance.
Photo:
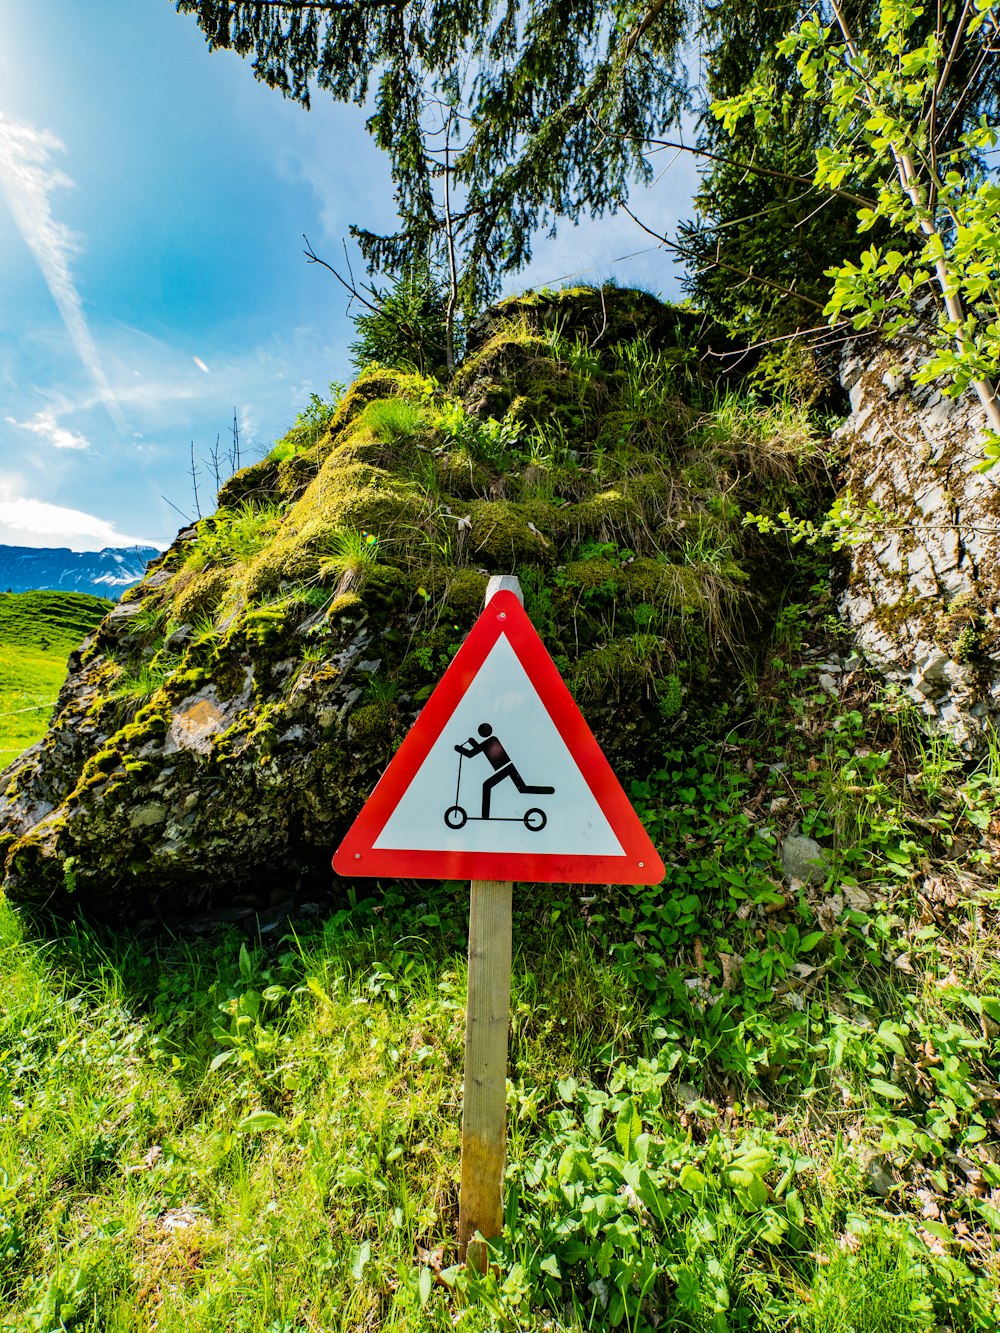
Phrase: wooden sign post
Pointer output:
(484, 1109)
(487, 1023)
(537, 801)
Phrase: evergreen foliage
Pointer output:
(498, 118)
(405, 325)
(502, 118)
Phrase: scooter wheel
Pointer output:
(535, 820)
(455, 816)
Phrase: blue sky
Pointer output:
(153, 198)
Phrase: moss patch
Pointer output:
(313, 614)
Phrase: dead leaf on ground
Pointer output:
(177, 1219)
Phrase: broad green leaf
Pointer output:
(889, 1090)
(566, 1089)
(757, 1191)
(258, 1122)
(592, 1118)
(361, 1257)
(550, 1265)
(627, 1128)
(691, 1179)
(424, 1284)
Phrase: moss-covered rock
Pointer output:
(223, 726)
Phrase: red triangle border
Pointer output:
(357, 857)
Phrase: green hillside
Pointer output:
(38, 630)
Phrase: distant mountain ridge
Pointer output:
(104, 573)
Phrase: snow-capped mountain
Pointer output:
(104, 573)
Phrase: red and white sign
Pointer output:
(500, 778)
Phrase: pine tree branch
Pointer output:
(321, 6)
(770, 172)
(746, 274)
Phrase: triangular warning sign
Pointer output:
(500, 778)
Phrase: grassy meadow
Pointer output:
(732, 1105)
(38, 631)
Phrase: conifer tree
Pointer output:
(498, 116)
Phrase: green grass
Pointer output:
(38, 630)
(214, 1136)
(733, 1106)
(50, 620)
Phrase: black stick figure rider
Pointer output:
(501, 763)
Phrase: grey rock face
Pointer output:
(803, 859)
(923, 594)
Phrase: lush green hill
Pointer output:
(38, 630)
(51, 621)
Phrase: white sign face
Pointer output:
(500, 778)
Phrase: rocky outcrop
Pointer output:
(221, 729)
(924, 591)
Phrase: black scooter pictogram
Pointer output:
(456, 816)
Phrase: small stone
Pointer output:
(144, 816)
(930, 672)
(804, 859)
(878, 1173)
(177, 640)
(829, 684)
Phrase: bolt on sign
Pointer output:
(499, 779)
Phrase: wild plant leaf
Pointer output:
(567, 1163)
(774, 1227)
(889, 1090)
(573, 1251)
(691, 1179)
(627, 1128)
(550, 1265)
(794, 1209)
(753, 1185)
(425, 1283)
(258, 1122)
(593, 1117)
(757, 1190)
(566, 1089)
(317, 990)
(755, 1158)
(361, 1256)
(889, 1037)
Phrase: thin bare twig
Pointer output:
(313, 258)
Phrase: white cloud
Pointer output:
(46, 424)
(28, 179)
(28, 522)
